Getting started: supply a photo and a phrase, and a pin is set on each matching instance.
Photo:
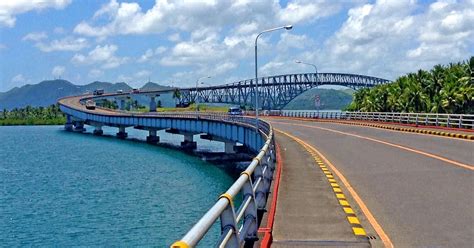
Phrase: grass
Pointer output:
(32, 121)
(192, 107)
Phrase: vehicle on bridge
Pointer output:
(90, 104)
(135, 90)
(98, 92)
(235, 111)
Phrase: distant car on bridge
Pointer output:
(235, 111)
(98, 92)
(135, 91)
(90, 104)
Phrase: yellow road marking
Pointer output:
(358, 231)
(353, 220)
(340, 196)
(348, 210)
(344, 203)
(456, 163)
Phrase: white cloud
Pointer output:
(149, 54)
(129, 18)
(19, 79)
(2, 46)
(65, 44)
(174, 37)
(307, 10)
(288, 41)
(103, 55)
(59, 30)
(142, 74)
(58, 71)
(94, 73)
(35, 36)
(10, 8)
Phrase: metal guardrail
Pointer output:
(238, 226)
(428, 119)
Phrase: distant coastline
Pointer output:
(29, 116)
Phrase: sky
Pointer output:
(177, 42)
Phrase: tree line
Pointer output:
(29, 115)
(443, 89)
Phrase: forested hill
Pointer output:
(443, 89)
(48, 92)
(330, 99)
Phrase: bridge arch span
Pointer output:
(275, 91)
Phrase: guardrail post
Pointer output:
(448, 119)
(250, 222)
(261, 190)
(460, 121)
(228, 224)
(437, 120)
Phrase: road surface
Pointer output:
(419, 188)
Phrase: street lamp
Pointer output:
(287, 27)
(197, 93)
(316, 70)
(304, 63)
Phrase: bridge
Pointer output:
(346, 179)
(275, 92)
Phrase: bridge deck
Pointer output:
(308, 212)
(418, 187)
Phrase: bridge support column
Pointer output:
(229, 147)
(188, 142)
(79, 126)
(152, 104)
(68, 126)
(121, 133)
(98, 130)
(152, 138)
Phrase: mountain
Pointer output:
(48, 92)
(330, 99)
(153, 86)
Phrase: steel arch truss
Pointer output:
(275, 91)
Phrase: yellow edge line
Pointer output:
(385, 239)
(456, 163)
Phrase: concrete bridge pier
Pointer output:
(68, 126)
(79, 126)
(229, 146)
(121, 133)
(152, 138)
(121, 101)
(188, 142)
(98, 130)
(152, 104)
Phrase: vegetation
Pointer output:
(443, 89)
(330, 99)
(50, 115)
(192, 107)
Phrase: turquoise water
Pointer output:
(61, 189)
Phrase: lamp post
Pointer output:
(287, 27)
(304, 63)
(197, 94)
(316, 101)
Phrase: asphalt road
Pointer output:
(418, 187)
